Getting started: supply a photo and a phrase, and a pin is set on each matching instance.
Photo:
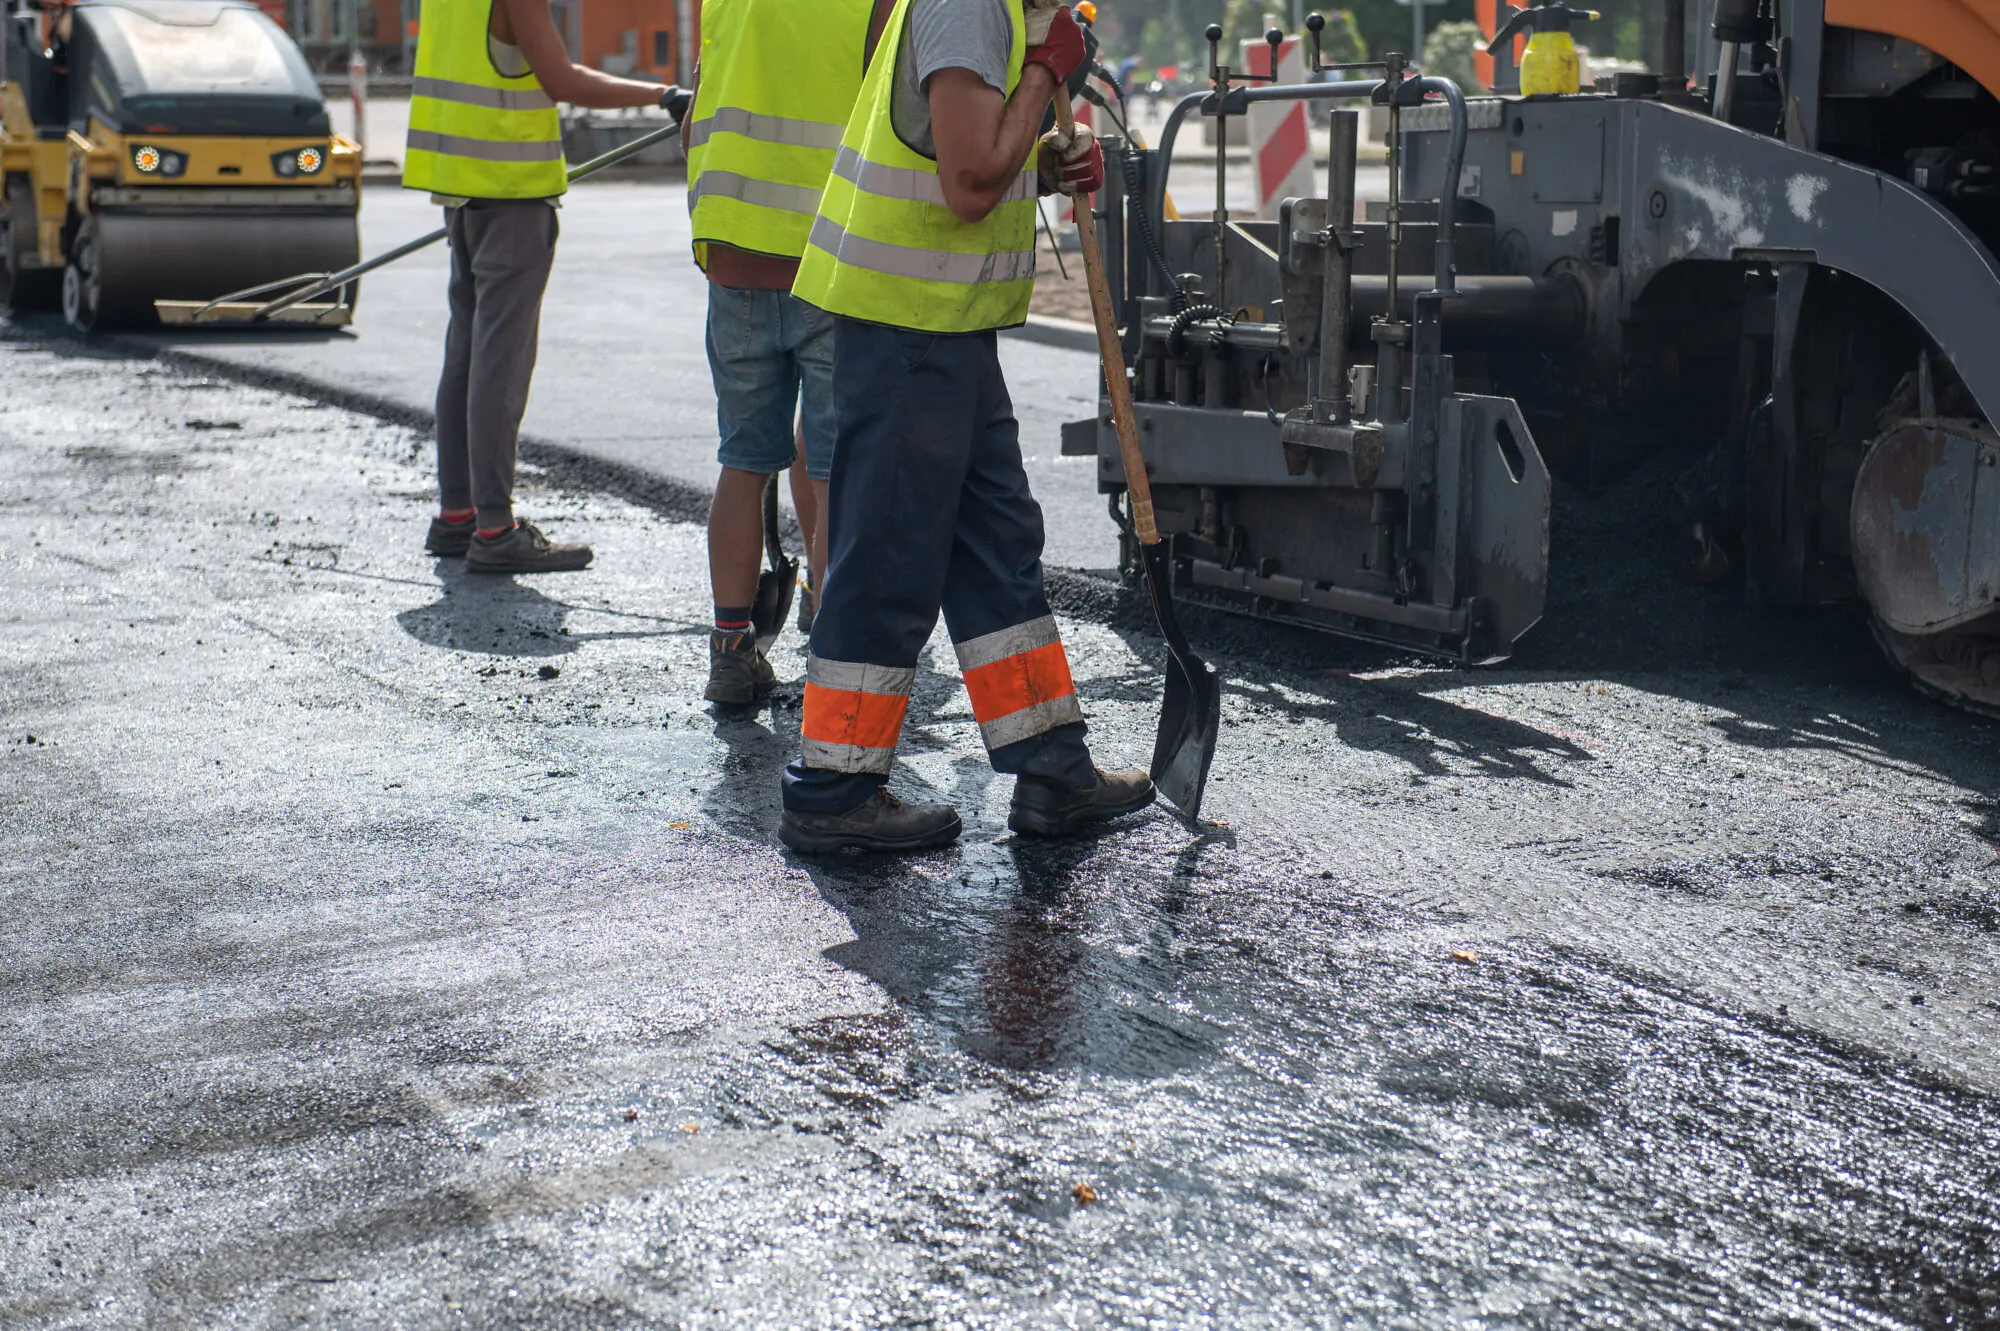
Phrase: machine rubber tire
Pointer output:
(124, 261)
(23, 289)
(82, 297)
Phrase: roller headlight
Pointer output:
(150, 161)
(299, 162)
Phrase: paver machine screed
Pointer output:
(1350, 421)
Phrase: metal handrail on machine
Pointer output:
(1409, 92)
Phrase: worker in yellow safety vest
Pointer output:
(486, 140)
(776, 83)
(924, 247)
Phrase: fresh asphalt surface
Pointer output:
(623, 375)
(391, 947)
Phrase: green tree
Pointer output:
(1160, 43)
(1243, 20)
(1448, 53)
(1340, 43)
(1385, 25)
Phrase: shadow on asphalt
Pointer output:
(492, 615)
(237, 335)
(497, 615)
(1781, 679)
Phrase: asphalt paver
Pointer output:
(393, 946)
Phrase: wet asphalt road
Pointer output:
(389, 947)
(623, 376)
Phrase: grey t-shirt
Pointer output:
(945, 34)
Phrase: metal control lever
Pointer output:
(1316, 25)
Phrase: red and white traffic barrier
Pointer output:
(1280, 146)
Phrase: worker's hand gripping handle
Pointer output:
(1112, 353)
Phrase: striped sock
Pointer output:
(732, 618)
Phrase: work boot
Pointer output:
(524, 550)
(1043, 808)
(738, 674)
(879, 823)
(449, 538)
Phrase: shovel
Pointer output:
(1191, 711)
(293, 299)
(777, 585)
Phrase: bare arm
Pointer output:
(879, 21)
(529, 25)
(687, 118)
(984, 139)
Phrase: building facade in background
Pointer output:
(635, 38)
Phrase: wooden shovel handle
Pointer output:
(1112, 353)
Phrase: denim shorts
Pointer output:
(771, 355)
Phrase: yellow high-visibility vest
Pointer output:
(778, 82)
(476, 132)
(887, 250)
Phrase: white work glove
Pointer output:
(1040, 14)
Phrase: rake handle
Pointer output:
(333, 281)
(1112, 353)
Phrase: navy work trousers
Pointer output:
(929, 509)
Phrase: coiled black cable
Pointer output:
(1149, 240)
(1135, 185)
(1187, 318)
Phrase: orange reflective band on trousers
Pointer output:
(854, 714)
(1019, 682)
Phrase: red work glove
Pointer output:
(1078, 164)
(1062, 52)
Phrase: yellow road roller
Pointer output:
(163, 150)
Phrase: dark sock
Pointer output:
(732, 618)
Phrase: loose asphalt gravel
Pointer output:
(388, 946)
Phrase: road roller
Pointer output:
(1777, 278)
(164, 151)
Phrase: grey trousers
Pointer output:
(501, 253)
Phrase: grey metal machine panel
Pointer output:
(1688, 188)
(1568, 152)
(1700, 190)
(1547, 169)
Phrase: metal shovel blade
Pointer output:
(1191, 710)
(778, 584)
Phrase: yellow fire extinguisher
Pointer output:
(1550, 63)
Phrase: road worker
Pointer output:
(776, 83)
(486, 141)
(922, 249)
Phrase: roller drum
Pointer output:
(131, 259)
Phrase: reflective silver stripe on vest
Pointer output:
(766, 129)
(485, 150)
(471, 94)
(1031, 721)
(992, 647)
(878, 256)
(748, 189)
(907, 183)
